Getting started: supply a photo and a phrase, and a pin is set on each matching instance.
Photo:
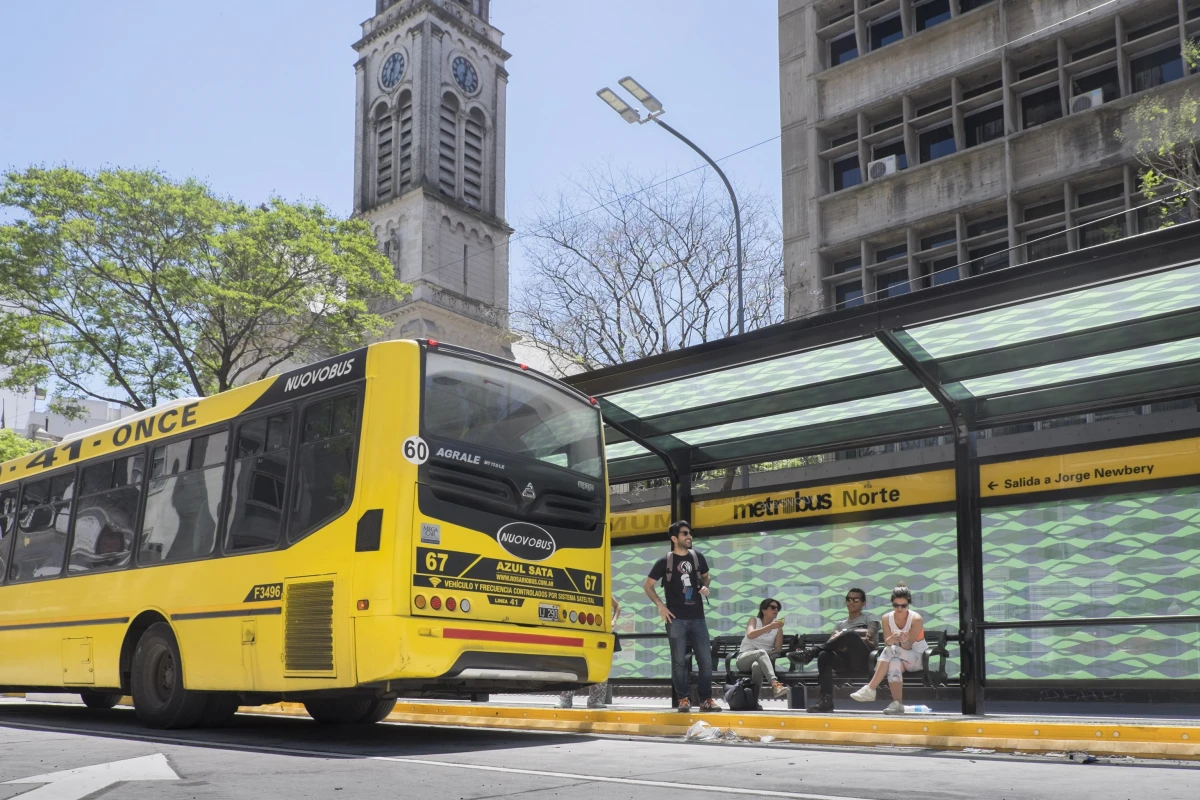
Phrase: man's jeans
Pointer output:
(679, 633)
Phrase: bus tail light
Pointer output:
(435, 603)
(363, 605)
(450, 604)
(419, 601)
(589, 619)
(574, 617)
(465, 605)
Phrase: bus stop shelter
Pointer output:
(1102, 328)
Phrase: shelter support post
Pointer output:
(969, 517)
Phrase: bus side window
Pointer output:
(41, 536)
(325, 463)
(8, 523)
(110, 494)
(259, 475)
(183, 499)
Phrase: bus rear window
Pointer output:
(481, 404)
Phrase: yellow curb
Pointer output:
(1120, 739)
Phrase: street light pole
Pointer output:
(655, 109)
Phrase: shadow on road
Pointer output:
(266, 733)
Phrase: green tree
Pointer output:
(1163, 138)
(128, 287)
(14, 445)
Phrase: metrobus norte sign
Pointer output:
(1142, 462)
(874, 494)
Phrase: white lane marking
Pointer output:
(72, 784)
(696, 787)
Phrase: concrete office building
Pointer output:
(925, 141)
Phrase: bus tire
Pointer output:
(379, 711)
(159, 697)
(219, 710)
(101, 700)
(339, 711)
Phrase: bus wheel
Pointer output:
(100, 699)
(157, 678)
(345, 712)
(218, 710)
(378, 711)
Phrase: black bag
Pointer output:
(742, 695)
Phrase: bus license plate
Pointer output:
(547, 612)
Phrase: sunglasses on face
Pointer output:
(899, 605)
(854, 599)
(774, 607)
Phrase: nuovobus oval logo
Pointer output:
(526, 541)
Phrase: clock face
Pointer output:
(393, 70)
(465, 75)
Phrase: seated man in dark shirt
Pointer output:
(846, 651)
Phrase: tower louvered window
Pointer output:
(406, 141)
(384, 153)
(448, 146)
(473, 160)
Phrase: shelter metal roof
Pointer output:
(1103, 327)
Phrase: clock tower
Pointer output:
(429, 166)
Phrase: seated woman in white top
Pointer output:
(904, 642)
(763, 639)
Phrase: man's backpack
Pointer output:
(670, 573)
(742, 695)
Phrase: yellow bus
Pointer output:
(410, 519)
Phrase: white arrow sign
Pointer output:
(72, 784)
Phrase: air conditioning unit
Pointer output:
(881, 167)
(1082, 102)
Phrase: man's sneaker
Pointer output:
(565, 702)
(709, 705)
(597, 705)
(779, 690)
(864, 695)
(685, 705)
(822, 706)
(894, 707)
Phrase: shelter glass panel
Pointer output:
(807, 569)
(1129, 652)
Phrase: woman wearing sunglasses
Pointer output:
(763, 639)
(904, 642)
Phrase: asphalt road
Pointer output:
(260, 757)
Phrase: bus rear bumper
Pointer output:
(470, 657)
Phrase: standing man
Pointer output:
(685, 579)
(847, 650)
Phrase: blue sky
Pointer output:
(257, 97)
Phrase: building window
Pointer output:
(934, 106)
(1102, 231)
(1046, 243)
(888, 253)
(938, 239)
(988, 258)
(384, 148)
(838, 141)
(406, 141)
(1038, 69)
(1040, 107)
(1102, 195)
(183, 500)
(1044, 210)
(1151, 218)
(106, 521)
(970, 5)
(937, 143)
(1104, 79)
(892, 284)
(932, 13)
(1092, 49)
(845, 265)
(1153, 27)
(258, 490)
(987, 226)
(848, 295)
(473, 159)
(886, 31)
(884, 124)
(984, 126)
(846, 173)
(324, 463)
(842, 49)
(895, 148)
(1157, 68)
(984, 89)
(943, 270)
(448, 145)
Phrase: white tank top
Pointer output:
(764, 642)
(918, 646)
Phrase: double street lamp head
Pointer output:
(627, 112)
